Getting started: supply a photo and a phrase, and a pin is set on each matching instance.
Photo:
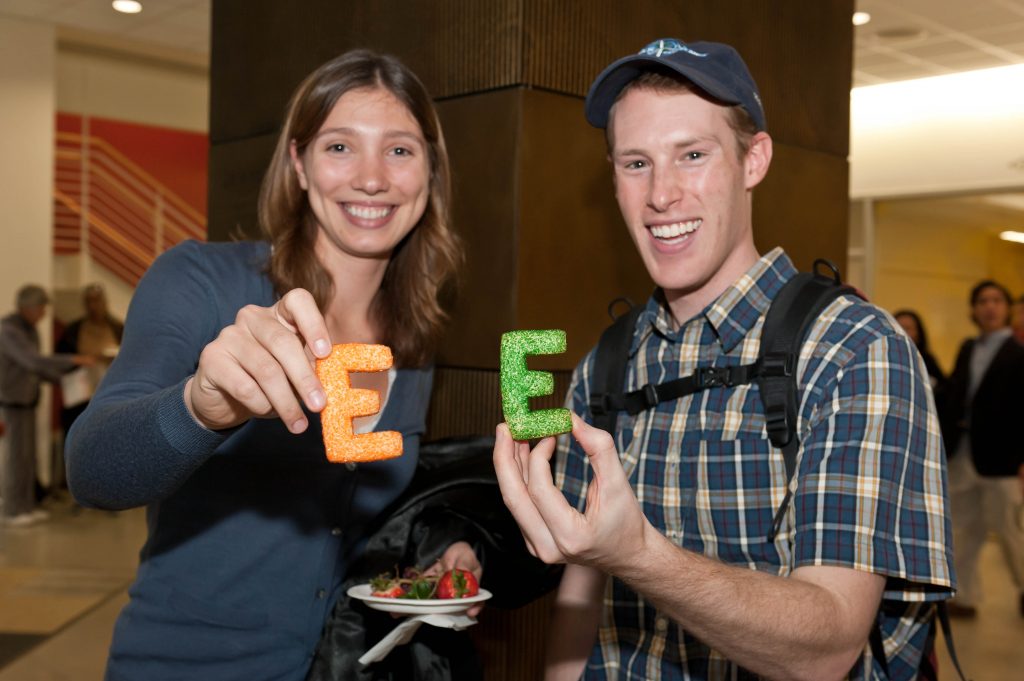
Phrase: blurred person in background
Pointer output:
(982, 438)
(22, 368)
(914, 327)
(1018, 320)
(97, 333)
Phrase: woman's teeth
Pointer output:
(368, 212)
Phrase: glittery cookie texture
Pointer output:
(519, 384)
(345, 403)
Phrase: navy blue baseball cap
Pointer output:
(715, 68)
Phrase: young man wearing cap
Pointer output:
(670, 573)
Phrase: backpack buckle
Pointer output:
(598, 404)
(711, 377)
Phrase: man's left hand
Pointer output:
(609, 535)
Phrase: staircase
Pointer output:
(109, 209)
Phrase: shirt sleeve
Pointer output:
(871, 492)
(136, 442)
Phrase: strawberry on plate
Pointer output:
(456, 583)
(395, 591)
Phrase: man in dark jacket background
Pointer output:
(982, 437)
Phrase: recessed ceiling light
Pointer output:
(861, 18)
(897, 34)
(127, 6)
(1012, 236)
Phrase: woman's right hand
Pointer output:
(262, 365)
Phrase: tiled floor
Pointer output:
(63, 582)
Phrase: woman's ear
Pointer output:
(300, 169)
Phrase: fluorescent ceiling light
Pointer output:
(969, 97)
(1012, 236)
(127, 6)
(861, 18)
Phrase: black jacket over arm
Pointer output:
(453, 496)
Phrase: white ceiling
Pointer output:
(179, 25)
(918, 38)
(905, 38)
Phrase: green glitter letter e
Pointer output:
(519, 384)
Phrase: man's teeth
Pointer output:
(675, 229)
(368, 212)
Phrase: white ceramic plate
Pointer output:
(413, 606)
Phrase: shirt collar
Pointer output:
(997, 337)
(733, 314)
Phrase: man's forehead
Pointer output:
(647, 109)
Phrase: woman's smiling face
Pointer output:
(366, 174)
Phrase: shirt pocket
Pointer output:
(730, 489)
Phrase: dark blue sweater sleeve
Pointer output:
(136, 442)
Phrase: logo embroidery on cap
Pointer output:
(663, 48)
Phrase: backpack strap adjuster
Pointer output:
(650, 393)
(599, 404)
(778, 364)
(711, 377)
(776, 422)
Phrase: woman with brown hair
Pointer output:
(209, 415)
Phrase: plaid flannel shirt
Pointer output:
(869, 493)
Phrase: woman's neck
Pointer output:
(356, 283)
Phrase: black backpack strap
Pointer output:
(609, 372)
(702, 378)
(926, 670)
(793, 311)
(942, 614)
(878, 647)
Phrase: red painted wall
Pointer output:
(175, 158)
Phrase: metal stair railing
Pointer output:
(109, 209)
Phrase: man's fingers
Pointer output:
(600, 449)
(517, 498)
(562, 520)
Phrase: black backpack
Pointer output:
(790, 316)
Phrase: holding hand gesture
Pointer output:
(608, 535)
(262, 365)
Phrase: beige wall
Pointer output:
(140, 91)
(929, 264)
(39, 77)
(98, 82)
(27, 94)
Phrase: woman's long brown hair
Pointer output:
(406, 310)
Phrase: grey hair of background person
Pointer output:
(31, 295)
